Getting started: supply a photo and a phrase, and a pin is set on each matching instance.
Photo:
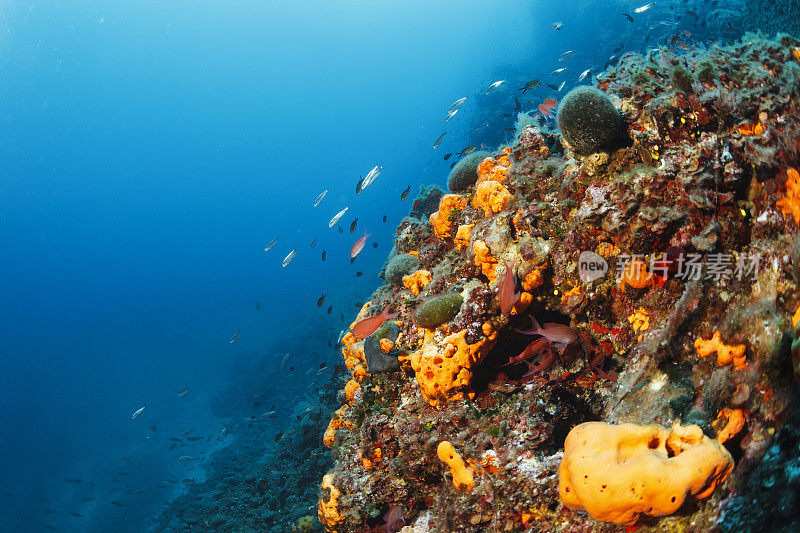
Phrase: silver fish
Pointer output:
(561, 86)
(558, 71)
(314, 243)
(450, 114)
(493, 87)
(642, 9)
(271, 244)
(320, 197)
(337, 217)
(584, 74)
(184, 392)
(285, 358)
(235, 337)
(438, 142)
(372, 176)
(137, 413)
(566, 55)
(288, 258)
(455, 106)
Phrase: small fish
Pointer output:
(552, 331)
(550, 103)
(384, 218)
(359, 274)
(360, 185)
(137, 413)
(372, 176)
(517, 104)
(194, 439)
(353, 225)
(278, 436)
(358, 246)
(584, 74)
(187, 481)
(271, 244)
(184, 392)
(630, 18)
(558, 71)
(118, 503)
(482, 126)
(551, 86)
(493, 87)
(138, 491)
(186, 433)
(288, 258)
(447, 156)
(76, 515)
(667, 22)
(506, 292)
(561, 86)
(330, 309)
(73, 480)
(468, 150)
(544, 110)
(340, 228)
(642, 9)
(366, 327)
(455, 106)
(438, 142)
(321, 300)
(187, 458)
(403, 196)
(374, 244)
(324, 255)
(558, 25)
(530, 85)
(337, 217)
(258, 305)
(222, 433)
(566, 55)
(450, 115)
(314, 243)
(320, 197)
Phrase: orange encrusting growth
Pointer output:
(790, 204)
(336, 422)
(725, 353)
(635, 275)
(619, 472)
(350, 389)
(491, 169)
(462, 474)
(734, 424)
(462, 236)
(444, 370)
(751, 129)
(441, 220)
(416, 282)
(328, 510)
(484, 260)
(533, 280)
(492, 196)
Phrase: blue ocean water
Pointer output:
(149, 152)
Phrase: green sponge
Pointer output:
(438, 310)
(401, 265)
(465, 172)
(588, 120)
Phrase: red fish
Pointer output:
(550, 103)
(506, 293)
(552, 331)
(544, 110)
(368, 326)
(359, 245)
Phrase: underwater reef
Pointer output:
(594, 341)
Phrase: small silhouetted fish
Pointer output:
(438, 141)
(88, 498)
(384, 219)
(359, 274)
(186, 433)
(72, 480)
(278, 436)
(324, 255)
(258, 305)
(642, 9)
(584, 74)
(508, 129)
(630, 18)
(187, 481)
(235, 337)
(194, 439)
(493, 87)
(124, 473)
(320, 197)
(554, 87)
(517, 104)
(184, 392)
(288, 258)
(340, 229)
(320, 300)
(447, 156)
(330, 344)
(314, 243)
(453, 164)
(558, 25)
(360, 185)
(172, 446)
(51, 528)
(341, 316)
(566, 55)
(137, 413)
(330, 309)
(404, 194)
(138, 491)
(118, 503)
(468, 150)
(374, 244)
(271, 244)
(353, 225)
(530, 85)
(558, 71)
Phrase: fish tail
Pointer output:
(536, 329)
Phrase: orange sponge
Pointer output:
(725, 353)
(441, 220)
(492, 196)
(484, 259)
(790, 204)
(416, 282)
(463, 235)
(328, 509)
(619, 472)
(462, 474)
